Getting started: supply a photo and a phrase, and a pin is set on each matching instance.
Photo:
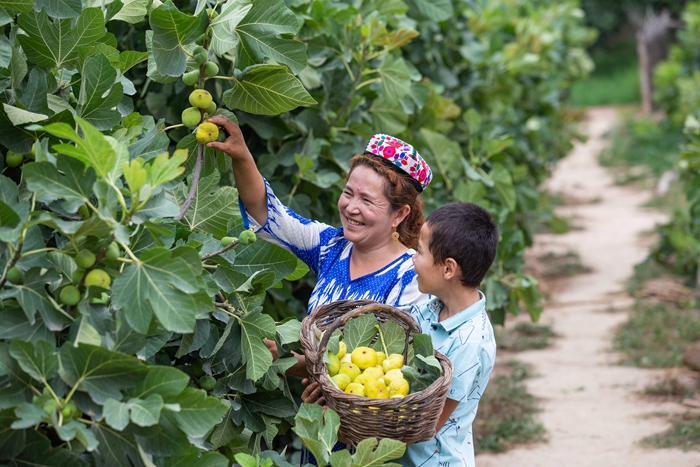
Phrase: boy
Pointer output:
(456, 248)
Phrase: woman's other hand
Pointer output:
(234, 144)
(312, 393)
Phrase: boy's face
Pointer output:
(430, 276)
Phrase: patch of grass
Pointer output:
(557, 265)
(615, 79)
(642, 148)
(524, 336)
(644, 271)
(684, 434)
(657, 334)
(507, 413)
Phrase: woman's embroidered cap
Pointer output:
(402, 155)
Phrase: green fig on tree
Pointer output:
(191, 77)
(15, 275)
(247, 237)
(211, 69)
(191, 117)
(98, 278)
(200, 98)
(69, 295)
(85, 259)
(13, 160)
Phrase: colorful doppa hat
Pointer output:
(402, 155)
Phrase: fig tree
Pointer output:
(191, 117)
(206, 133)
(200, 98)
(85, 259)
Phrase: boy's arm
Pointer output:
(450, 406)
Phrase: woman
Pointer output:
(381, 216)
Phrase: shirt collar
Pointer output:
(460, 318)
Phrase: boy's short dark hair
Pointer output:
(466, 233)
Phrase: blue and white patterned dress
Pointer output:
(327, 253)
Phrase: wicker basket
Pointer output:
(409, 419)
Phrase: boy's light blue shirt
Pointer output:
(467, 339)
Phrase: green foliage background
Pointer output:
(92, 95)
(678, 87)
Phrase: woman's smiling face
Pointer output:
(365, 211)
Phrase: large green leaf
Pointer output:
(255, 327)
(23, 6)
(93, 150)
(371, 453)
(260, 33)
(394, 338)
(388, 116)
(32, 297)
(163, 282)
(198, 413)
(443, 154)
(212, 207)
(55, 44)
(19, 390)
(115, 449)
(99, 371)
(40, 362)
(99, 93)
(70, 182)
(171, 30)
(396, 79)
(223, 27)
(267, 90)
(15, 325)
(19, 139)
(504, 185)
(34, 96)
(163, 380)
(8, 216)
(195, 459)
(264, 255)
(60, 8)
(317, 428)
(359, 331)
(435, 10)
(38, 451)
(133, 11)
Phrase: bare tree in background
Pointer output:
(653, 39)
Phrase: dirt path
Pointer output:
(591, 409)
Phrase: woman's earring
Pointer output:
(395, 235)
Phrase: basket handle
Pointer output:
(389, 310)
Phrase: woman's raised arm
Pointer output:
(249, 182)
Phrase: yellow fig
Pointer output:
(206, 133)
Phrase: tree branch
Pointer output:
(195, 182)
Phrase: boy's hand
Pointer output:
(234, 144)
(312, 393)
